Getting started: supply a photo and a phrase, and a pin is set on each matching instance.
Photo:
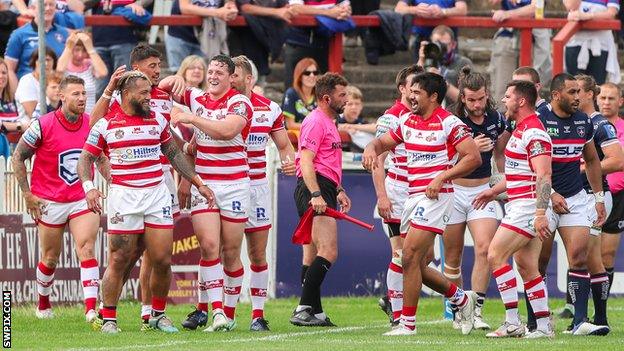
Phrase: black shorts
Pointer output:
(329, 192)
(615, 221)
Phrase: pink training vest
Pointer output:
(54, 175)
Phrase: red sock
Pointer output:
(158, 305)
(202, 306)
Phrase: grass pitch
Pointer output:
(360, 325)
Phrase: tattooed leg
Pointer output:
(121, 253)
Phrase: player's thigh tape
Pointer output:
(451, 275)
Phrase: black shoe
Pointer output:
(259, 324)
(327, 323)
(386, 307)
(195, 319)
(305, 318)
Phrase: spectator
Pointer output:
(351, 121)
(10, 128)
(299, 99)
(52, 94)
(27, 93)
(81, 60)
(22, 42)
(181, 41)
(252, 44)
(429, 9)
(505, 52)
(69, 13)
(303, 42)
(114, 43)
(193, 69)
(582, 54)
(8, 23)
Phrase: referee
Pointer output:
(319, 173)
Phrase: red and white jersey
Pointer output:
(57, 144)
(390, 120)
(220, 160)
(267, 118)
(430, 146)
(133, 144)
(528, 140)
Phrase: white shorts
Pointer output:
(519, 217)
(259, 209)
(57, 214)
(464, 211)
(593, 215)
(580, 212)
(397, 194)
(130, 210)
(173, 191)
(232, 200)
(426, 214)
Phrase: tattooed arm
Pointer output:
(85, 166)
(103, 166)
(543, 169)
(22, 153)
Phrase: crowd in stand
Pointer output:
(93, 54)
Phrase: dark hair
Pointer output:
(142, 52)
(326, 84)
(558, 81)
(225, 60)
(529, 71)
(524, 89)
(588, 83)
(401, 78)
(35, 56)
(129, 79)
(431, 83)
(70, 79)
(472, 81)
(243, 62)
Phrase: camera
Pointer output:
(434, 54)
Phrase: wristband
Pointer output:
(552, 191)
(599, 196)
(316, 194)
(87, 186)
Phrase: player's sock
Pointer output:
(408, 317)
(158, 305)
(231, 291)
(610, 274)
(531, 322)
(304, 271)
(394, 281)
(600, 294)
(90, 277)
(579, 292)
(109, 314)
(311, 294)
(507, 286)
(202, 288)
(45, 279)
(535, 290)
(258, 284)
(456, 296)
(569, 305)
(146, 312)
(211, 277)
(480, 300)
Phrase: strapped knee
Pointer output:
(452, 275)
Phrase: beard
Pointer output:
(568, 106)
(337, 108)
(475, 113)
(140, 109)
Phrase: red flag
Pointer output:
(303, 232)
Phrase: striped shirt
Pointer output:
(133, 144)
(430, 145)
(267, 118)
(529, 139)
(220, 160)
(390, 120)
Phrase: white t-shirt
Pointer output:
(27, 90)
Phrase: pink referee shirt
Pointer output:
(320, 135)
(616, 180)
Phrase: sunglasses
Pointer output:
(308, 73)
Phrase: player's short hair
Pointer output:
(442, 29)
(354, 92)
(588, 83)
(48, 52)
(431, 83)
(243, 62)
(613, 86)
(142, 52)
(525, 89)
(558, 81)
(129, 79)
(70, 79)
(226, 61)
(527, 71)
(401, 78)
(326, 84)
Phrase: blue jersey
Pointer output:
(604, 135)
(425, 32)
(569, 136)
(493, 127)
(514, 4)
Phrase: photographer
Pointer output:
(440, 56)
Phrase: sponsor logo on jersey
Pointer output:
(580, 131)
(262, 119)
(153, 131)
(68, 162)
(408, 134)
(257, 139)
(199, 111)
(240, 109)
(536, 148)
(416, 157)
(119, 134)
(117, 218)
(554, 131)
(144, 152)
(137, 130)
(431, 137)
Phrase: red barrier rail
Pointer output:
(568, 29)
